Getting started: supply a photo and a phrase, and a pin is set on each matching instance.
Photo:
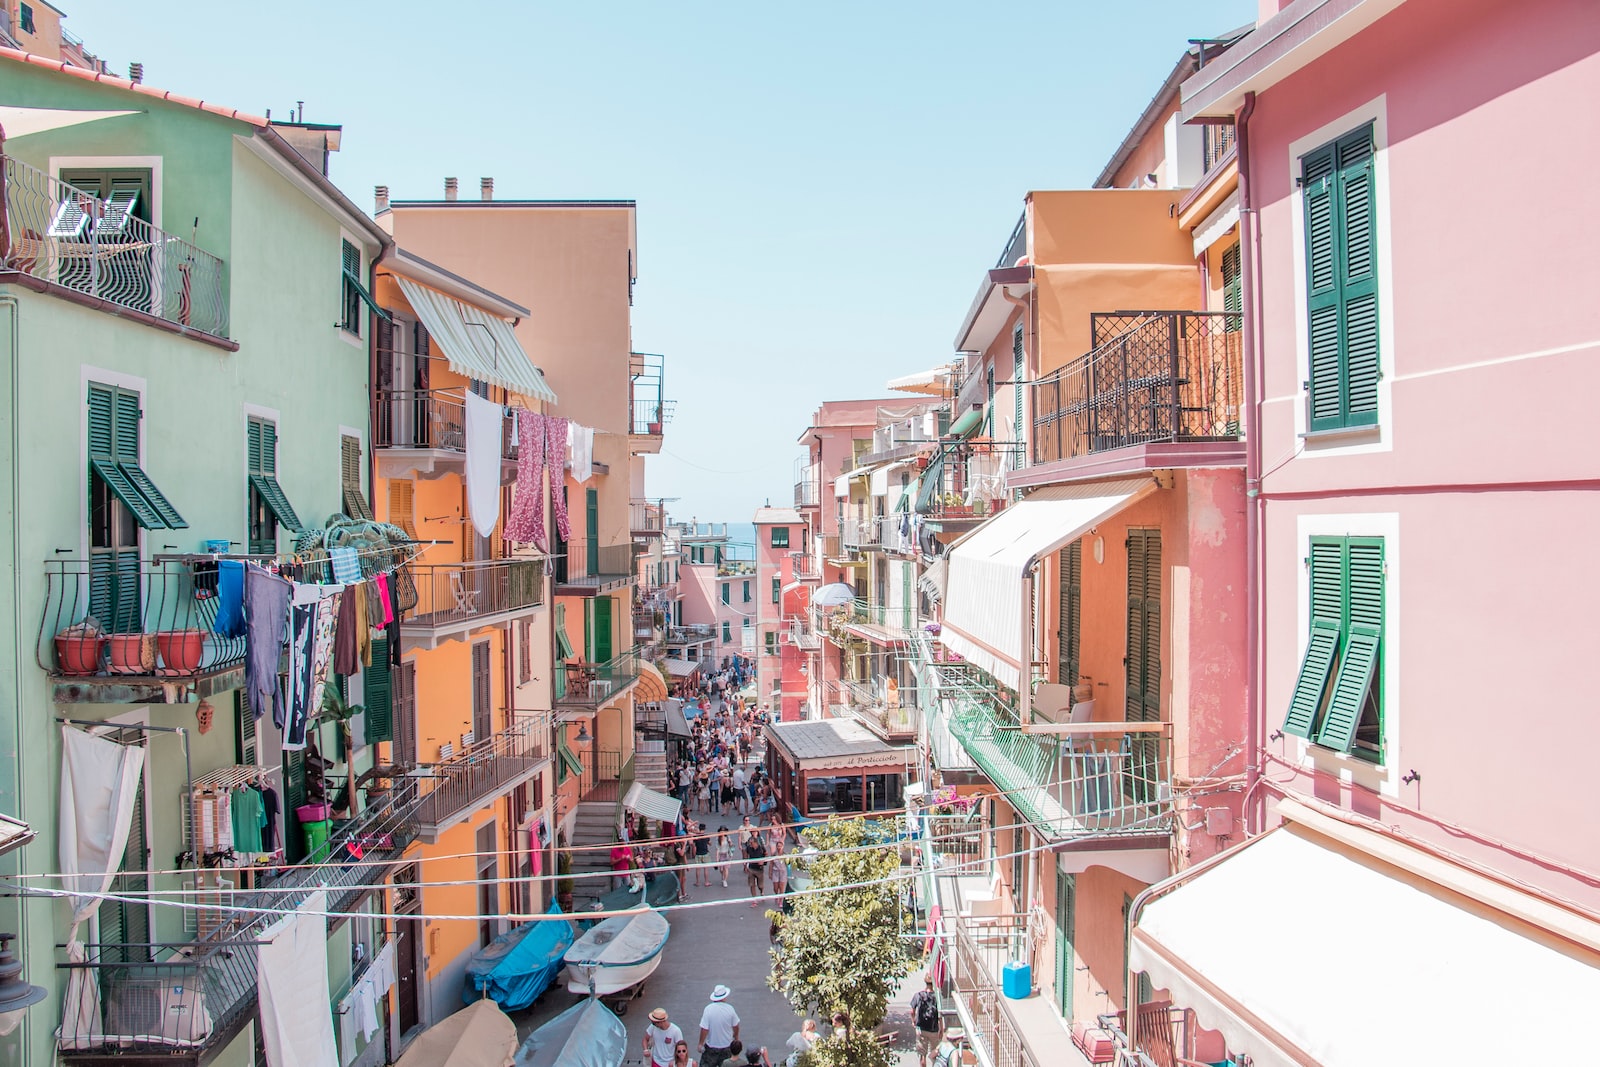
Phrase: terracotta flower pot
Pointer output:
(181, 650)
(79, 654)
(129, 654)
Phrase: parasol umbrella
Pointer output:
(835, 595)
(476, 1036)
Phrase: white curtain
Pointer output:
(292, 988)
(99, 783)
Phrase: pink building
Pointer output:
(1420, 865)
(780, 534)
(719, 594)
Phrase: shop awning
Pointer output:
(652, 687)
(1364, 950)
(681, 668)
(677, 723)
(932, 382)
(983, 620)
(21, 121)
(478, 345)
(652, 805)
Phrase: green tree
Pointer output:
(841, 950)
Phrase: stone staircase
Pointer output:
(650, 766)
(595, 825)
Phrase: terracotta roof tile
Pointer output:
(112, 80)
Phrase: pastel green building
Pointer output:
(184, 338)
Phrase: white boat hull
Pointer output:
(602, 980)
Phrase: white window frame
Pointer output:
(119, 380)
(1364, 439)
(266, 414)
(1351, 769)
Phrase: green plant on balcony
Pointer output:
(338, 710)
(563, 874)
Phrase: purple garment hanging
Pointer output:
(526, 522)
(555, 458)
(266, 612)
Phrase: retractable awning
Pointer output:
(841, 484)
(967, 423)
(650, 804)
(983, 620)
(932, 382)
(677, 722)
(478, 345)
(681, 668)
(1365, 950)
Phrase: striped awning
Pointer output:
(479, 345)
(681, 668)
(983, 611)
(650, 804)
(652, 687)
(932, 579)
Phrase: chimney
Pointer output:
(449, 188)
(380, 197)
(486, 188)
(136, 72)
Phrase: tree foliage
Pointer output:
(859, 1049)
(841, 950)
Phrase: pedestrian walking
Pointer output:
(929, 1023)
(719, 1029)
(755, 856)
(680, 1055)
(702, 854)
(661, 1038)
(741, 798)
(778, 873)
(724, 854)
(801, 1041)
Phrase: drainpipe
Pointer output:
(1248, 249)
(13, 309)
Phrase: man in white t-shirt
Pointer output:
(740, 798)
(660, 1038)
(719, 1029)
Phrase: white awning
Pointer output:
(680, 668)
(879, 481)
(984, 596)
(841, 484)
(21, 121)
(1364, 950)
(933, 382)
(650, 804)
(478, 345)
(932, 579)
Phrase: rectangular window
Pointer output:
(482, 693)
(269, 507)
(771, 643)
(725, 593)
(488, 842)
(355, 499)
(777, 589)
(1337, 700)
(25, 19)
(727, 631)
(350, 294)
(376, 696)
(524, 653)
(405, 714)
(1232, 287)
(780, 537)
(1340, 213)
(747, 590)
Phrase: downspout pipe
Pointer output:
(1250, 303)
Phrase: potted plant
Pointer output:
(132, 654)
(78, 648)
(181, 650)
(336, 709)
(564, 879)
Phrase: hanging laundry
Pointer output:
(230, 598)
(580, 446)
(248, 818)
(266, 610)
(382, 582)
(346, 565)
(484, 419)
(311, 625)
(526, 522)
(269, 819)
(346, 650)
(555, 458)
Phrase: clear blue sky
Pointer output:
(820, 185)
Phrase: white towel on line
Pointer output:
(580, 450)
(483, 418)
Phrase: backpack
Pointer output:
(926, 1012)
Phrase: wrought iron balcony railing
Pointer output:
(644, 517)
(487, 768)
(594, 565)
(648, 410)
(806, 566)
(983, 946)
(115, 615)
(452, 595)
(1153, 376)
(420, 418)
(806, 494)
(101, 248)
(594, 685)
(691, 634)
(966, 480)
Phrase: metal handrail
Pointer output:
(485, 769)
(420, 418)
(55, 232)
(452, 593)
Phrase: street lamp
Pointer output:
(16, 995)
(583, 734)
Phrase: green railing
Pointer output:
(593, 685)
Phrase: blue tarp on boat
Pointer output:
(585, 1035)
(520, 964)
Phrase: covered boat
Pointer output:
(658, 891)
(515, 968)
(587, 1034)
(617, 953)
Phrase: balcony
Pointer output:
(806, 494)
(902, 439)
(422, 433)
(1153, 377)
(697, 633)
(98, 248)
(454, 599)
(647, 630)
(153, 639)
(589, 569)
(802, 636)
(807, 568)
(644, 518)
(486, 769)
(869, 704)
(856, 534)
(895, 533)
(648, 410)
(591, 686)
(965, 482)
(1090, 780)
(143, 1012)
(1024, 1033)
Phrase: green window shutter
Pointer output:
(269, 448)
(1143, 698)
(747, 590)
(102, 433)
(777, 589)
(377, 694)
(603, 650)
(1363, 597)
(727, 631)
(1232, 285)
(591, 516)
(570, 763)
(294, 795)
(253, 445)
(355, 501)
(1322, 646)
(563, 642)
(1358, 281)
(125, 441)
(1069, 624)
(245, 718)
(153, 497)
(725, 592)
(114, 590)
(114, 456)
(1066, 921)
(350, 258)
(1322, 290)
